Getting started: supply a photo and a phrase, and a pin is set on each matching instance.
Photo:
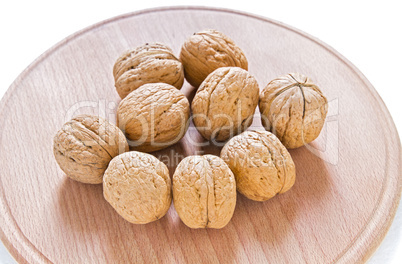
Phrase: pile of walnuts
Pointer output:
(153, 114)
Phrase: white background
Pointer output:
(368, 33)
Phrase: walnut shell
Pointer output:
(137, 185)
(153, 117)
(260, 163)
(204, 192)
(224, 104)
(150, 63)
(206, 51)
(294, 109)
(84, 146)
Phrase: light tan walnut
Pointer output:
(204, 192)
(206, 51)
(84, 146)
(225, 102)
(153, 117)
(150, 63)
(262, 166)
(294, 109)
(137, 185)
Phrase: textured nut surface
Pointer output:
(225, 103)
(153, 116)
(261, 164)
(150, 63)
(137, 185)
(84, 146)
(206, 51)
(204, 192)
(294, 109)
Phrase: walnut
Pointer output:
(294, 109)
(204, 192)
(262, 166)
(206, 51)
(137, 185)
(154, 116)
(150, 63)
(225, 103)
(84, 146)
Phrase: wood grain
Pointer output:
(348, 182)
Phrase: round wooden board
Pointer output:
(348, 181)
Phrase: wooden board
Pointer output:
(348, 181)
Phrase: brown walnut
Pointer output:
(260, 163)
(153, 117)
(204, 192)
(225, 102)
(294, 109)
(150, 63)
(138, 186)
(206, 51)
(84, 146)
